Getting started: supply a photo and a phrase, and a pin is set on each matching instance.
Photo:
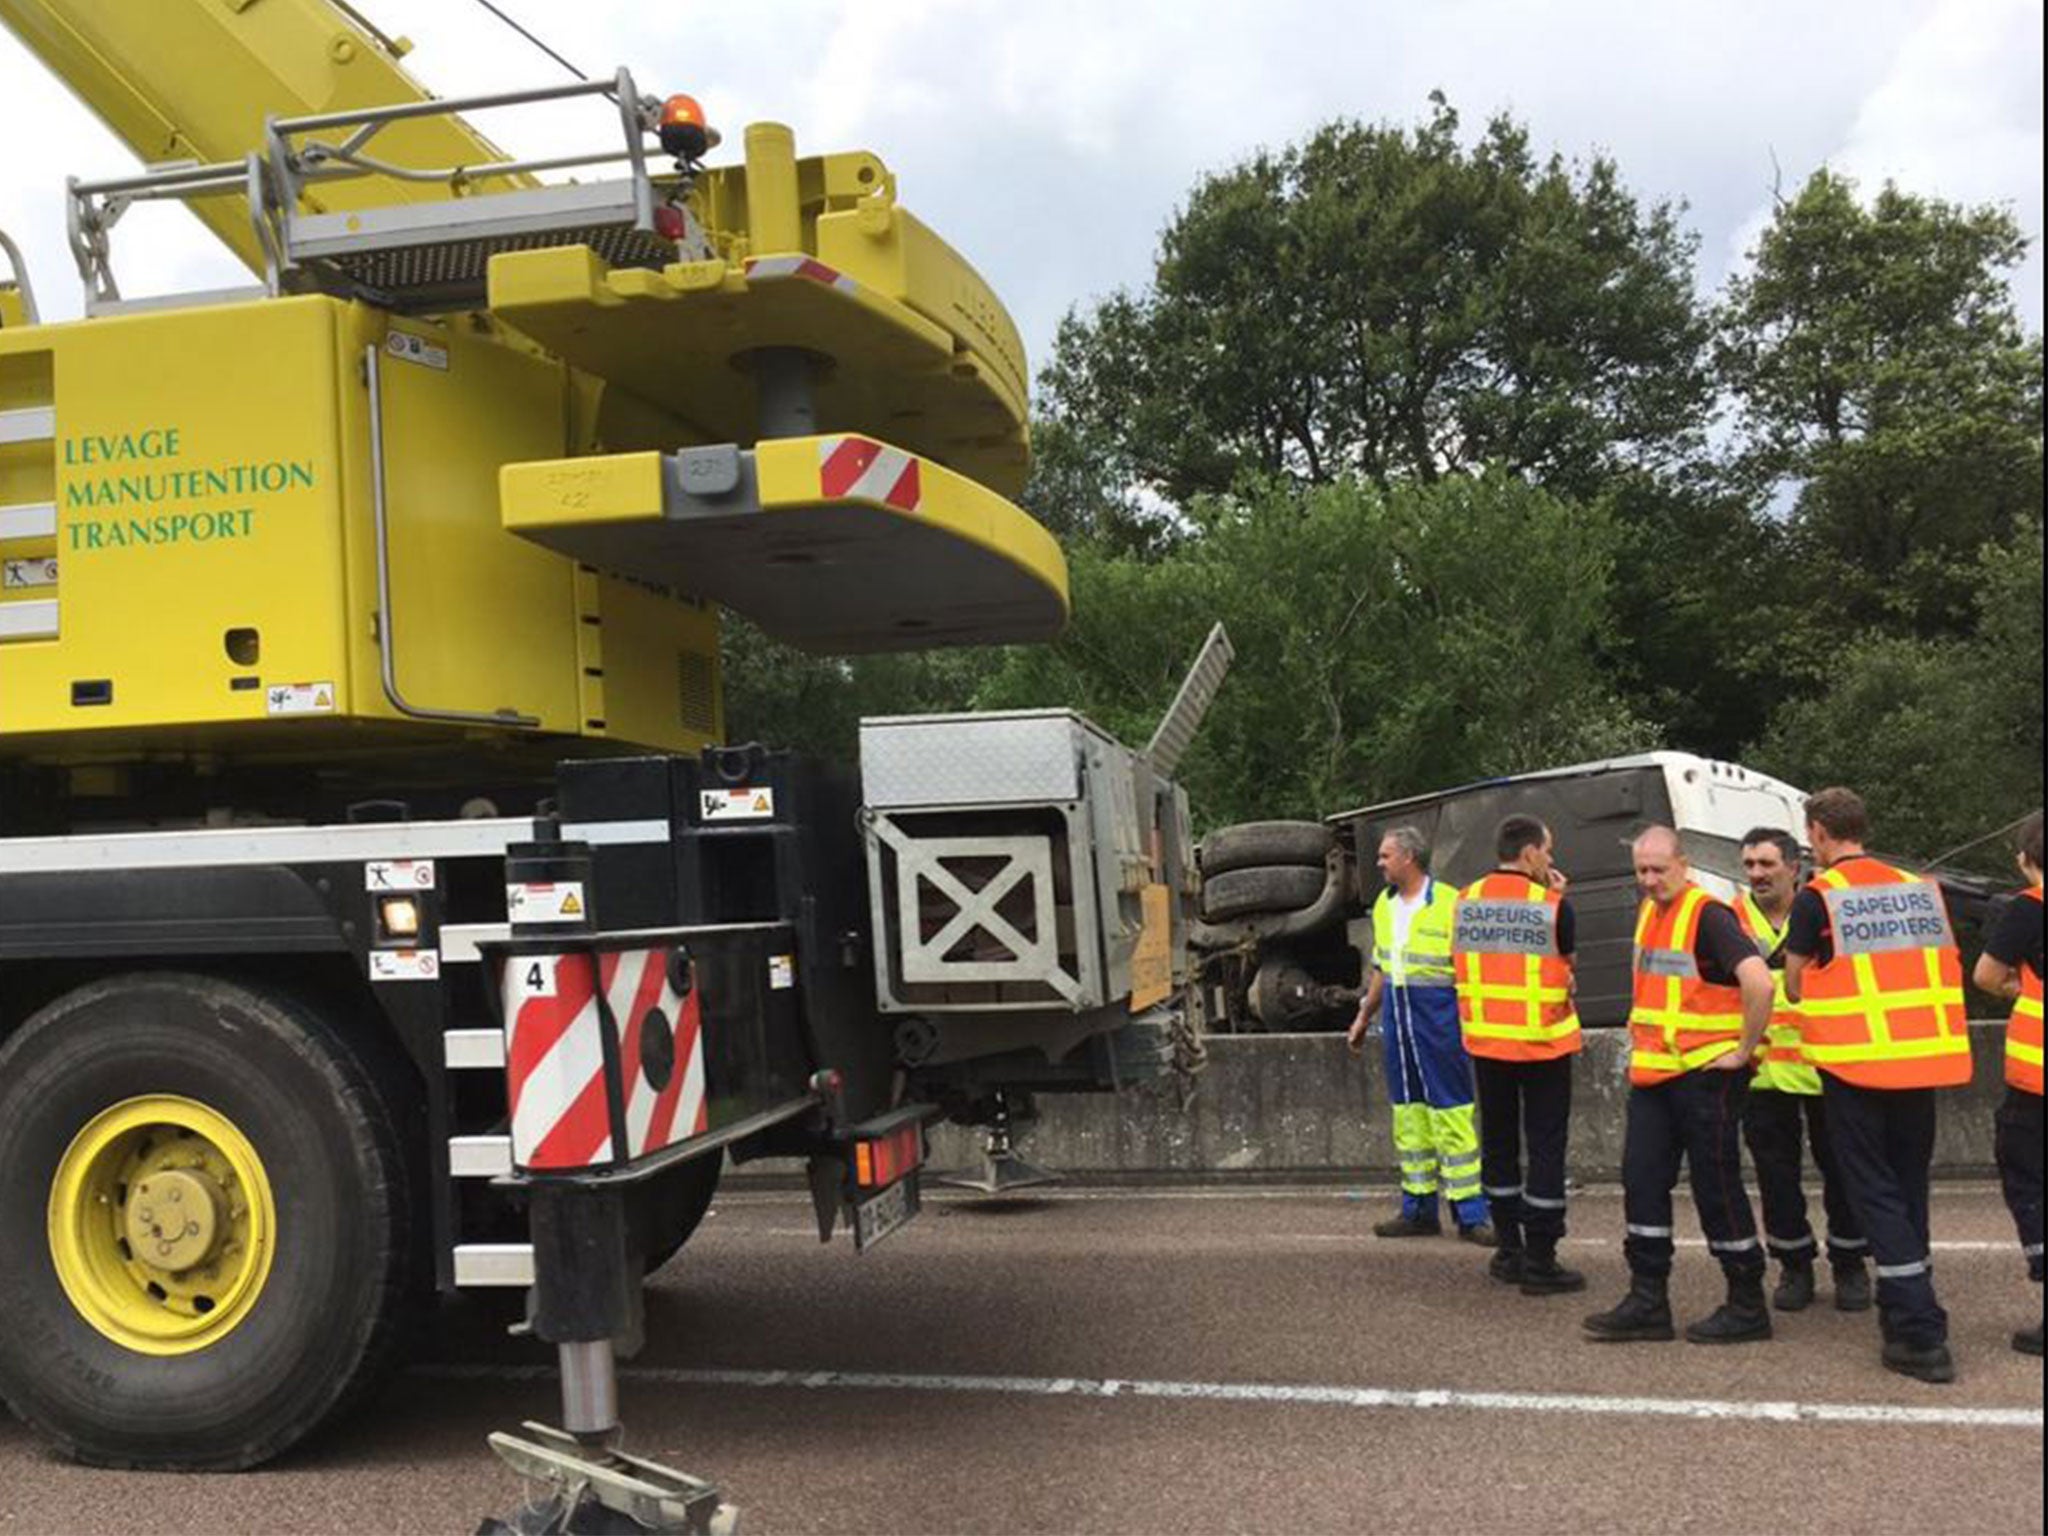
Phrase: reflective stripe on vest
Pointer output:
(1680, 1021)
(1424, 960)
(1783, 1066)
(2023, 1030)
(1887, 1010)
(1514, 988)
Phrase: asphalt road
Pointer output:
(1176, 1361)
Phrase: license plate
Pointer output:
(879, 1215)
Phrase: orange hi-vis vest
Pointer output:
(2023, 1032)
(1514, 988)
(1784, 1067)
(1887, 1011)
(1680, 1021)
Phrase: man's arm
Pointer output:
(2017, 930)
(1995, 977)
(1368, 1008)
(1805, 931)
(1759, 997)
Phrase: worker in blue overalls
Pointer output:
(1413, 991)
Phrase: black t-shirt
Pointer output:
(1567, 920)
(1808, 933)
(1721, 945)
(2016, 941)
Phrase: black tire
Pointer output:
(334, 1298)
(1272, 888)
(1256, 843)
(670, 1207)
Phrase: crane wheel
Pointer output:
(209, 1219)
(1249, 892)
(1251, 844)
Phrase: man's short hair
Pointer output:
(1786, 843)
(2030, 839)
(1662, 835)
(1840, 813)
(1516, 834)
(1410, 841)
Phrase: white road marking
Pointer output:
(1362, 1238)
(935, 1193)
(1294, 1396)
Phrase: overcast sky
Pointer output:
(1050, 142)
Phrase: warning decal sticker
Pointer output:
(736, 804)
(299, 698)
(546, 902)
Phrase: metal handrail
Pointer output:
(274, 178)
(387, 629)
(19, 263)
(297, 164)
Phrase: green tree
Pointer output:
(1390, 303)
(1388, 641)
(1941, 735)
(1885, 386)
(785, 697)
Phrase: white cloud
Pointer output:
(1051, 142)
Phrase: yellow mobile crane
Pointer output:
(378, 907)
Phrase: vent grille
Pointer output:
(697, 692)
(456, 269)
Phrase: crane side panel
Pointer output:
(195, 482)
(662, 686)
(482, 621)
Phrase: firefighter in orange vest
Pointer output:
(1703, 999)
(1872, 965)
(1513, 944)
(1785, 1105)
(2011, 967)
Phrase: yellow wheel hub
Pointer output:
(162, 1224)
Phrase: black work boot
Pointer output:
(1852, 1287)
(1644, 1315)
(1923, 1362)
(1542, 1275)
(1507, 1265)
(1409, 1226)
(1741, 1319)
(2029, 1343)
(1795, 1286)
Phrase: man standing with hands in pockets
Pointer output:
(1513, 945)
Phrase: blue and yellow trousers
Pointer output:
(1429, 1083)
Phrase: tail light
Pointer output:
(882, 1160)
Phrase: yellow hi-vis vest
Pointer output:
(1784, 1066)
(1424, 960)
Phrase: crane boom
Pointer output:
(195, 80)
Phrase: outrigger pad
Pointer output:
(837, 544)
(1000, 1173)
(590, 1492)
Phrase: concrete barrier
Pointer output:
(1301, 1106)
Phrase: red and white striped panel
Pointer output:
(862, 469)
(771, 268)
(657, 1114)
(554, 1063)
